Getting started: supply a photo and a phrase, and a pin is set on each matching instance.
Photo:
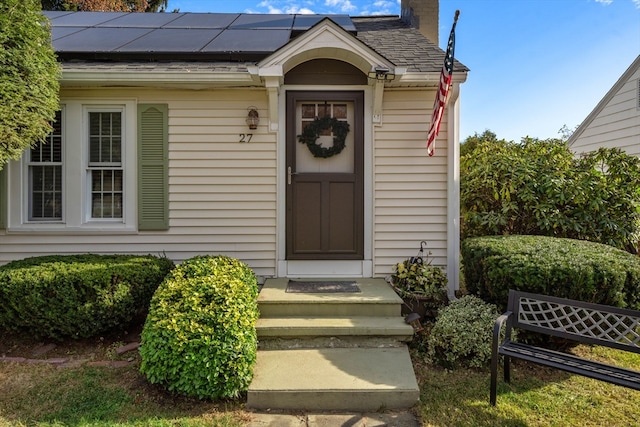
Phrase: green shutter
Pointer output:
(153, 164)
(3, 196)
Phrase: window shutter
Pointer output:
(153, 164)
(3, 196)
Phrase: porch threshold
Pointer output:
(376, 298)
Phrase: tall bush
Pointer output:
(77, 296)
(200, 338)
(29, 75)
(567, 268)
(538, 187)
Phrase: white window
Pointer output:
(83, 177)
(105, 173)
(45, 176)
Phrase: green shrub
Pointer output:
(565, 268)
(200, 338)
(539, 187)
(422, 286)
(462, 333)
(77, 296)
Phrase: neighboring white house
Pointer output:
(154, 152)
(615, 121)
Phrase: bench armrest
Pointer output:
(497, 327)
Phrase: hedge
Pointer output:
(77, 296)
(568, 268)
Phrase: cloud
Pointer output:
(343, 5)
(608, 2)
(273, 8)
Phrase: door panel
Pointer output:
(325, 195)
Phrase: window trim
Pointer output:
(76, 212)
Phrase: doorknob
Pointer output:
(289, 173)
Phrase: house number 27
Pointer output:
(246, 137)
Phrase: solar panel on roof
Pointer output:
(263, 21)
(248, 41)
(141, 20)
(85, 19)
(130, 32)
(203, 20)
(98, 39)
(59, 32)
(172, 40)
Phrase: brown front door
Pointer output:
(325, 195)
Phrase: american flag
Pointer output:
(443, 90)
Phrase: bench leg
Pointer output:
(494, 379)
(507, 369)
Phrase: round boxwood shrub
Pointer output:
(77, 296)
(199, 338)
(566, 268)
(462, 333)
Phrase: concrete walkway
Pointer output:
(390, 419)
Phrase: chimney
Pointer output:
(423, 15)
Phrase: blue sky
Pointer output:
(536, 65)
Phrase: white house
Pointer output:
(154, 150)
(615, 121)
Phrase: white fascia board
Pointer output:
(429, 79)
(190, 79)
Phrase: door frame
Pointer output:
(326, 268)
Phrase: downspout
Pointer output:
(453, 191)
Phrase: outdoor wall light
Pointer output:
(413, 319)
(253, 118)
(381, 73)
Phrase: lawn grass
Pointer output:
(536, 396)
(42, 395)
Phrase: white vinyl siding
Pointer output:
(617, 124)
(410, 188)
(222, 192)
(221, 187)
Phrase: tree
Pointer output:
(106, 5)
(539, 187)
(29, 76)
(472, 142)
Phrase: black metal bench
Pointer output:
(574, 320)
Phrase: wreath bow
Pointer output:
(311, 133)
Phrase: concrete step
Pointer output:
(376, 299)
(302, 327)
(351, 379)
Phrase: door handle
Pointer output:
(289, 173)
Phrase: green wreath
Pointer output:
(312, 131)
